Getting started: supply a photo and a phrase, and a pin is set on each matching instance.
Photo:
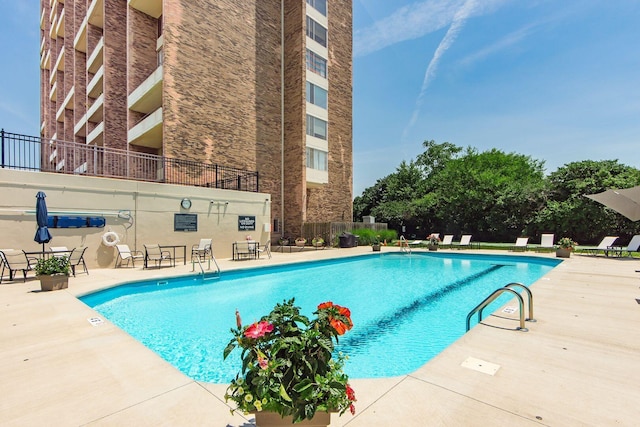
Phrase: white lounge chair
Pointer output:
(447, 240)
(546, 242)
(606, 246)
(633, 246)
(14, 261)
(465, 242)
(266, 249)
(76, 258)
(521, 244)
(126, 254)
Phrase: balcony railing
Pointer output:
(48, 155)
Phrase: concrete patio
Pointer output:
(577, 365)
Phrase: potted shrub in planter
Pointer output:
(432, 242)
(376, 244)
(53, 273)
(289, 372)
(317, 242)
(565, 246)
(301, 241)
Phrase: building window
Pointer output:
(317, 159)
(316, 95)
(316, 63)
(316, 127)
(319, 5)
(316, 32)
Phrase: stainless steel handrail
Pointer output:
(530, 298)
(404, 245)
(488, 300)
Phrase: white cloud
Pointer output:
(414, 21)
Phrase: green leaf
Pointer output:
(283, 394)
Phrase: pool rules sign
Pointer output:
(246, 223)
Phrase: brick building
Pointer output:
(260, 85)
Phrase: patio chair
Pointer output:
(126, 254)
(447, 240)
(202, 250)
(14, 261)
(546, 243)
(521, 244)
(157, 255)
(77, 258)
(606, 246)
(59, 251)
(265, 249)
(465, 242)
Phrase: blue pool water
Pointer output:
(406, 308)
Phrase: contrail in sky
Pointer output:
(459, 19)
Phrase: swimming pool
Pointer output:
(405, 308)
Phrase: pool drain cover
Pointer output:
(480, 366)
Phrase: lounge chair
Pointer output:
(546, 243)
(202, 250)
(77, 258)
(14, 261)
(447, 240)
(60, 251)
(521, 244)
(633, 246)
(465, 242)
(157, 255)
(266, 248)
(415, 243)
(606, 246)
(126, 254)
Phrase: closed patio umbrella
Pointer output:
(625, 201)
(42, 233)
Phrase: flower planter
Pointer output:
(432, 247)
(563, 253)
(300, 242)
(376, 248)
(272, 419)
(53, 282)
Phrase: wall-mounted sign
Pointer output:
(185, 222)
(246, 223)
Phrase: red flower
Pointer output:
(351, 395)
(339, 326)
(324, 305)
(258, 330)
(352, 409)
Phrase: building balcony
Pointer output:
(80, 42)
(45, 62)
(42, 45)
(95, 113)
(150, 7)
(53, 76)
(96, 136)
(60, 24)
(60, 60)
(54, 91)
(316, 178)
(96, 14)
(148, 132)
(95, 87)
(52, 15)
(96, 59)
(42, 16)
(52, 30)
(80, 129)
(148, 96)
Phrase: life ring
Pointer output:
(110, 238)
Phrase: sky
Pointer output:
(556, 80)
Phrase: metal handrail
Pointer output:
(404, 245)
(488, 300)
(530, 298)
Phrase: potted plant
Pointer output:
(433, 241)
(376, 244)
(53, 272)
(301, 241)
(565, 246)
(317, 242)
(289, 372)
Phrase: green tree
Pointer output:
(566, 212)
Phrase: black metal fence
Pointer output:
(47, 155)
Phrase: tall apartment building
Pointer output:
(261, 85)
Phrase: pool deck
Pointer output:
(578, 365)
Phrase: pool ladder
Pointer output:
(404, 245)
(498, 292)
(197, 258)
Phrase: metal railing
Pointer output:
(34, 153)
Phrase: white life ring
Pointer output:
(110, 238)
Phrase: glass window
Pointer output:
(316, 63)
(316, 32)
(317, 159)
(319, 5)
(316, 95)
(316, 127)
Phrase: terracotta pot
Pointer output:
(53, 282)
(271, 419)
(563, 253)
